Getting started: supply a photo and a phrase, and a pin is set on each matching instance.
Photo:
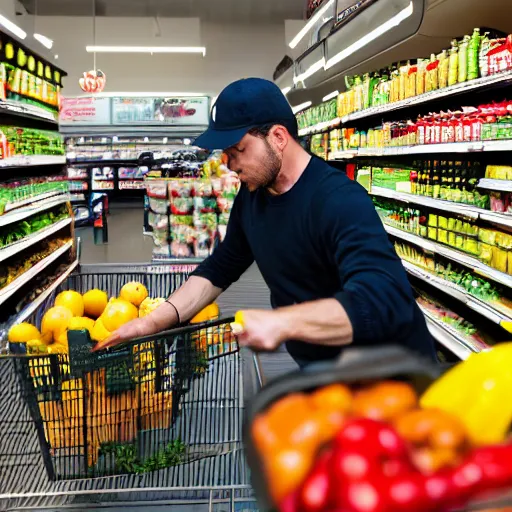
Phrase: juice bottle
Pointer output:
(463, 60)
(474, 55)
(453, 67)
(443, 69)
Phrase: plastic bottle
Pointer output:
(474, 55)
(443, 69)
(453, 66)
(463, 60)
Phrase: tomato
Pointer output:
(467, 478)
(372, 437)
(286, 470)
(363, 496)
(396, 467)
(290, 503)
(407, 493)
(441, 490)
(496, 465)
(335, 397)
(351, 464)
(315, 492)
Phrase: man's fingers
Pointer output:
(112, 340)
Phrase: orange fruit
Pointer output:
(71, 300)
(148, 305)
(415, 426)
(95, 302)
(99, 332)
(134, 292)
(429, 460)
(335, 397)
(265, 439)
(54, 322)
(79, 323)
(118, 313)
(210, 312)
(23, 332)
(286, 470)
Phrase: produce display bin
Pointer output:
(156, 419)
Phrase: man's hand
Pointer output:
(262, 330)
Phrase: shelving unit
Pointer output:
(14, 286)
(32, 161)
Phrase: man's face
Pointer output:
(255, 161)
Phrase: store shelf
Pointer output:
(452, 254)
(12, 249)
(15, 285)
(32, 160)
(447, 337)
(438, 204)
(473, 212)
(31, 308)
(37, 204)
(501, 185)
(31, 200)
(342, 155)
(78, 198)
(27, 110)
(459, 293)
(320, 127)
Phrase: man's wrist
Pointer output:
(286, 329)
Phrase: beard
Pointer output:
(270, 167)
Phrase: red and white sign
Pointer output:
(84, 110)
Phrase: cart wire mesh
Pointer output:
(205, 415)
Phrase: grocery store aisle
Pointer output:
(126, 243)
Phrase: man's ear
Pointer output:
(280, 136)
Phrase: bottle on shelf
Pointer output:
(436, 184)
(474, 55)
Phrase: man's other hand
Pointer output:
(262, 330)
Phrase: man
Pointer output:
(333, 275)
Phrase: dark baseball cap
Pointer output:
(242, 106)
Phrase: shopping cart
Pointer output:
(159, 421)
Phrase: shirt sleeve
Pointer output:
(374, 289)
(232, 257)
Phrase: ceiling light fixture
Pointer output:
(150, 94)
(146, 49)
(317, 66)
(12, 27)
(330, 96)
(286, 90)
(45, 41)
(302, 106)
(307, 27)
(371, 36)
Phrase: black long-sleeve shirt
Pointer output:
(322, 239)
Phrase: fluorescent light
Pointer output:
(187, 142)
(312, 21)
(146, 49)
(330, 96)
(371, 36)
(45, 41)
(12, 27)
(317, 66)
(149, 94)
(286, 90)
(302, 106)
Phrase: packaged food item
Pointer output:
(453, 68)
(432, 74)
(500, 58)
(158, 205)
(443, 69)
(462, 74)
(421, 75)
(474, 55)
(180, 188)
(182, 205)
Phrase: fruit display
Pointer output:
(28, 258)
(16, 141)
(389, 445)
(189, 216)
(18, 230)
(15, 191)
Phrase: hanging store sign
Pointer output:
(93, 81)
(84, 110)
(158, 111)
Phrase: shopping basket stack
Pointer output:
(162, 412)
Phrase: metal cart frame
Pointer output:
(219, 482)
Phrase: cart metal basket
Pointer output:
(159, 423)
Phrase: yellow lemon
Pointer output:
(71, 300)
(99, 331)
(134, 292)
(55, 321)
(79, 323)
(118, 313)
(95, 302)
(210, 312)
(149, 305)
(21, 333)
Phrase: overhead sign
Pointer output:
(157, 111)
(84, 110)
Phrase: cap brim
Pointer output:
(220, 139)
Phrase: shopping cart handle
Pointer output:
(185, 329)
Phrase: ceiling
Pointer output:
(211, 10)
